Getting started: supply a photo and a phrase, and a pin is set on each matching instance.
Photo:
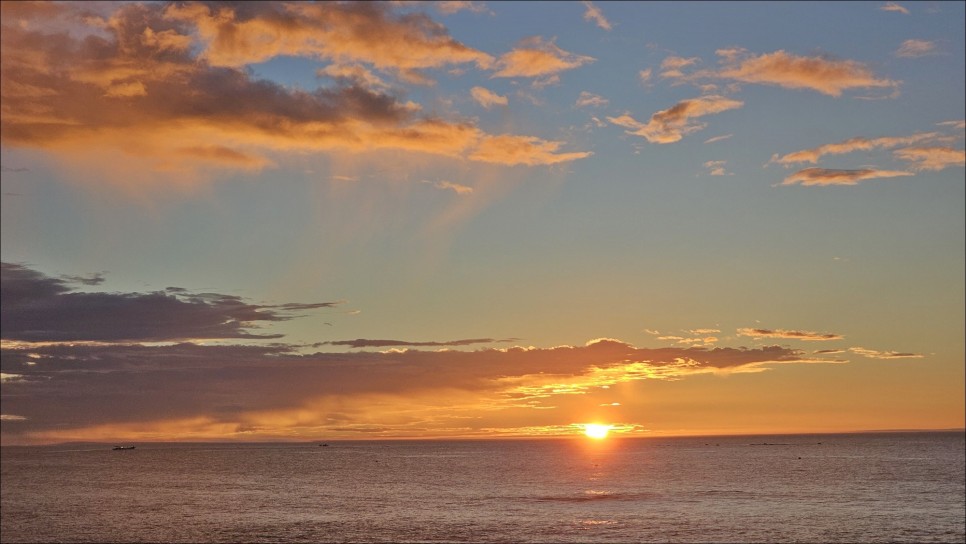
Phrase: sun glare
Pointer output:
(596, 431)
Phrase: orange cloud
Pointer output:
(487, 98)
(717, 168)
(535, 57)
(590, 99)
(824, 176)
(826, 76)
(718, 138)
(511, 150)
(892, 6)
(135, 90)
(875, 354)
(449, 7)
(850, 145)
(931, 158)
(670, 125)
(791, 335)
(344, 32)
(594, 14)
(672, 66)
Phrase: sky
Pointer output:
(322, 221)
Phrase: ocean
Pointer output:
(876, 487)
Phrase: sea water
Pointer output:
(881, 487)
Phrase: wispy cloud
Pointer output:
(788, 334)
(851, 145)
(594, 14)
(451, 186)
(718, 138)
(526, 150)
(892, 6)
(916, 48)
(487, 98)
(670, 125)
(874, 354)
(825, 176)
(588, 99)
(536, 57)
(449, 7)
(367, 343)
(827, 76)
(717, 168)
(961, 124)
(931, 158)
(671, 66)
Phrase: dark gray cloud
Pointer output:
(40, 308)
(93, 279)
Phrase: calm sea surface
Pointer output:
(895, 487)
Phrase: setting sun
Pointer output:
(596, 431)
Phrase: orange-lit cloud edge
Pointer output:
(151, 86)
(158, 83)
(132, 370)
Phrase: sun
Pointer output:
(596, 431)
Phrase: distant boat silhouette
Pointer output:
(323, 445)
(123, 448)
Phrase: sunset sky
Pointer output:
(321, 221)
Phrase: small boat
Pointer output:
(123, 448)
(323, 445)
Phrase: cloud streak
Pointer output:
(875, 354)
(487, 98)
(789, 335)
(596, 16)
(826, 176)
(931, 158)
(717, 168)
(671, 125)
(367, 343)
(892, 6)
(851, 145)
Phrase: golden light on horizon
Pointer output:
(596, 431)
